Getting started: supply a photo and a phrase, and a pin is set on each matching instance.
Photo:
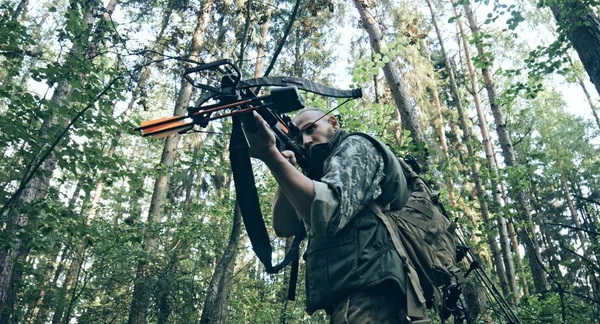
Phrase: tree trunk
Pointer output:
(34, 191)
(527, 234)
(260, 47)
(586, 253)
(71, 278)
(573, 212)
(283, 293)
(499, 262)
(37, 313)
(581, 83)
(34, 310)
(582, 27)
(7, 313)
(141, 296)
(490, 154)
(217, 296)
(405, 105)
(439, 123)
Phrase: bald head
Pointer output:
(315, 126)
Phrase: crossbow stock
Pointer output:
(238, 99)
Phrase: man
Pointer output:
(352, 268)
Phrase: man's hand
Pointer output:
(262, 143)
(290, 156)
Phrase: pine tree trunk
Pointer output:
(500, 262)
(527, 234)
(7, 314)
(217, 296)
(573, 212)
(439, 123)
(260, 47)
(582, 28)
(141, 294)
(405, 105)
(34, 191)
(580, 234)
(490, 155)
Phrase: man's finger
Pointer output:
(261, 123)
(290, 156)
(249, 124)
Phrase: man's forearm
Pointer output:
(295, 186)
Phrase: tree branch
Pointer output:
(44, 157)
(573, 227)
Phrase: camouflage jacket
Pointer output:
(351, 177)
(349, 248)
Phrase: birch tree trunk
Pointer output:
(405, 105)
(527, 234)
(141, 294)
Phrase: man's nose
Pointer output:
(307, 140)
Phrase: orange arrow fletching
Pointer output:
(172, 130)
(163, 127)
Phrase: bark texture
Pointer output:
(215, 304)
(582, 27)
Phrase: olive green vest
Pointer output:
(362, 254)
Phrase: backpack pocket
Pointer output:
(423, 230)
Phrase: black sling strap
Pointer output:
(247, 198)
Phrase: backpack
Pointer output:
(425, 239)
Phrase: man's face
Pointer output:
(317, 133)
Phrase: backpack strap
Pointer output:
(414, 292)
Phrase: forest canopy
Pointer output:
(498, 99)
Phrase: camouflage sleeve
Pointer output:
(351, 180)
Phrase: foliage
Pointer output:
(74, 82)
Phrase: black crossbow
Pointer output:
(238, 99)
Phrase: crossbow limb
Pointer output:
(282, 100)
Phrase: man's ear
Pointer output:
(334, 122)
